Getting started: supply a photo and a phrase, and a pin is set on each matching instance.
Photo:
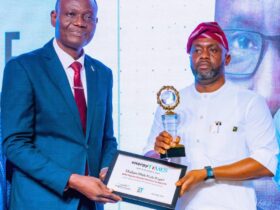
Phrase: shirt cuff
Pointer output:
(266, 158)
(152, 154)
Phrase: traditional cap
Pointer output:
(208, 30)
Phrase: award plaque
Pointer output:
(168, 98)
(145, 181)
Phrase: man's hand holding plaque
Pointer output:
(145, 181)
(167, 143)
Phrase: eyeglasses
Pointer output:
(247, 50)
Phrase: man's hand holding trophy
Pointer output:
(168, 98)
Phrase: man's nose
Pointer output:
(205, 53)
(79, 21)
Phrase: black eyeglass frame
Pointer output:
(264, 38)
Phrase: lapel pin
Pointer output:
(92, 68)
(235, 128)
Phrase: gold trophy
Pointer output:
(168, 98)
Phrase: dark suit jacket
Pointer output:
(42, 133)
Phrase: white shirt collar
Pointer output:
(221, 90)
(65, 59)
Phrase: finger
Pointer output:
(103, 171)
(104, 200)
(181, 181)
(103, 188)
(177, 139)
(184, 188)
(162, 145)
(165, 134)
(164, 139)
(111, 196)
(173, 144)
(159, 150)
(110, 190)
(107, 194)
(102, 176)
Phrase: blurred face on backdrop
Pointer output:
(253, 31)
(75, 24)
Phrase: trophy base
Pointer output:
(178, 151)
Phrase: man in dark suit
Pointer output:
(57, 118)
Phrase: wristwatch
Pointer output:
(210, 173)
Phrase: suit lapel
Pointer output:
(57, 74)
(91, 77)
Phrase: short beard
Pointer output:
(208, 77)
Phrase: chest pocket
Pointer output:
(226, 141)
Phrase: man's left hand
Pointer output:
(191, 179)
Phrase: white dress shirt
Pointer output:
(246, 130)
(66, 60)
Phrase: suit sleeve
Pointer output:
(109, 147)
(18, 130)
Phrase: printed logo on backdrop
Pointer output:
(9, 37)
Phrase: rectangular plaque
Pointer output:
(145, 181)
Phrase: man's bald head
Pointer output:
(94, 5)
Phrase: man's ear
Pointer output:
(53, 17)
(228, 59)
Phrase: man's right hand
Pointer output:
(164, 141)
(93, 188)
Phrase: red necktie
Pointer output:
(79, 93)
(80, 97)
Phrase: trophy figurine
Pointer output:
(168, 98)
